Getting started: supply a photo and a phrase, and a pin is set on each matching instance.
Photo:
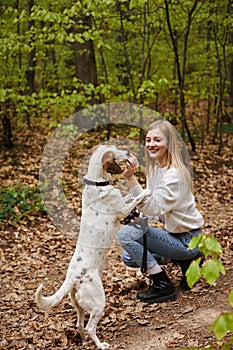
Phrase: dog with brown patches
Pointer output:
(103, 208)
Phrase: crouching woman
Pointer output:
(172, 202)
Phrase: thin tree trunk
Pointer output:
(141, 134)
(6, 125)
(30, 73)
(181, 68)
(128, 64)
(18, 32)
(220, 44)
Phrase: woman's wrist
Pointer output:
(131, 180)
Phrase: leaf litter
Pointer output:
(34, 251)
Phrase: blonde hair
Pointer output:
(177, 154)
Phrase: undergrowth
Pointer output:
(18, 203)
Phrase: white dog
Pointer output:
(103, 207)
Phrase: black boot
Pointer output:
(184, 264)
(161, 290)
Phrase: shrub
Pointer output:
(19, 202)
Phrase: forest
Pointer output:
(173, 56)
(86, 72)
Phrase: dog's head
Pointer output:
(110, 158)
(103, 162)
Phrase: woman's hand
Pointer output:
(131, 165)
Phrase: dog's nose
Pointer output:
(128, 153)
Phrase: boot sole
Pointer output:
(162, 299)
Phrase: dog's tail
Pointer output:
(47, 303)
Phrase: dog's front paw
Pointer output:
(147, 192)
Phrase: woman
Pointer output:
(171, 202)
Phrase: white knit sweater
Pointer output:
(171, 201)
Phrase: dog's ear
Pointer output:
(109, 164)
(112, 167)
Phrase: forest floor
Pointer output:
(35, 251)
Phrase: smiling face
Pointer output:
(156, 144)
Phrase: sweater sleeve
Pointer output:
(164, 195)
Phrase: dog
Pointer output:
(103, 208)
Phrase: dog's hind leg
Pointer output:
(96, 303)
(80, 314)
(95, 316)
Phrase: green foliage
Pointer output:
(211, 270)
(134, 133)
(222, 325)
(18, 203)
(193, 273)
(224, 322)
(231, 297)
(207, 244)
(131, 48)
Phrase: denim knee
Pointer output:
(123, 235)
(128, 234)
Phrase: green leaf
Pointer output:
(222, 325)
(213, 246)
(193, 243)
(211, 271)
(193, 273)
(231, 297)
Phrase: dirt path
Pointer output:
(183, 333)
(181, 324)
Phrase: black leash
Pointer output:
(142, 224)
(145, 229)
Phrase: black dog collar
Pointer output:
(93, 183)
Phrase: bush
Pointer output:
(211, 270)
(17, 203)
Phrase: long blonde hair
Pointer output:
(177, 154)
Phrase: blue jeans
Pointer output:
(161, 246)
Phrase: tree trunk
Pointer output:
(181, 66)
(6, 125)
(128, 64)
(18, 32)
(30, 73)
(85, 64)
(229, 97)
(84, 55)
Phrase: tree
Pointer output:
(180, 60)
(30, 72)
(84, 55)
(221, 36)
(58, 58)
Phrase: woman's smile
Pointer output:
(156, 145)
